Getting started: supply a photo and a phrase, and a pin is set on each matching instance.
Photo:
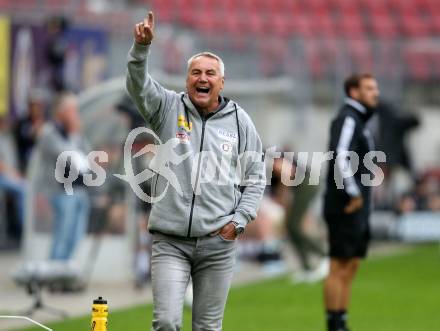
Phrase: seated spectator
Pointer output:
(424, 197)
(261, 240)
(406, 204)
(297, 212)
(434, 202)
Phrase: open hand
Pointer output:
(144, 31)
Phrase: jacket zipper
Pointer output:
(197, 178)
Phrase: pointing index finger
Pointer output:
(151, 19)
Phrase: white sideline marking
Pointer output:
(28, 319)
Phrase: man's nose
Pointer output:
(202, 78)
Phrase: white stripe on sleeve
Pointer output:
(343, 164)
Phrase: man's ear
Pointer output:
(354, 93)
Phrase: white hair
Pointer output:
(63, 99)
(211, 55)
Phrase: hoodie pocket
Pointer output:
(226, 240)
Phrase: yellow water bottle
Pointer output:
(99, 315)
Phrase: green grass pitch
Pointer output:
(394, 293)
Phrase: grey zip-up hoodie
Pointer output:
(208, 194)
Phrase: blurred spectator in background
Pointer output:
(280, 193)
(133, 119)
(406, 204)
(425, 188)
(285, 209)
(434, 202)
(56, 49)
(296, 211)
(128, 110)
(71, 212)
(27, 129)
(394, 127)
(261, 241)
(11, 180)
(425, 196)
(392, 134)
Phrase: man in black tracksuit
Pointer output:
(347, 200)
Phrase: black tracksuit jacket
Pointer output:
(348, 132)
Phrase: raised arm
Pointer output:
(144, 31)
(152, 100)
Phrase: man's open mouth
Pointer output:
(203, 89)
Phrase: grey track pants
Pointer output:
(210, 263)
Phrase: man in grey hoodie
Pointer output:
(71, 211)
(196, 223)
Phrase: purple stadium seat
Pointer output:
(248, 6)
(207, 24)
(323, 26)
(273, 54)
(346, 7)
(281, 25)
(403, 6)
(314, 57)
(432, 6)
(254, 23)
(23, 4)
(351, 27)
(361, 54)
(232, 25)
(58, 4)
(286, 7)
(419, 68)
(225, 7)
(163, 9)
(413, 25)
(436, 25)
(376, 7)
(383, 26)
(302, 26)
(317, 7)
